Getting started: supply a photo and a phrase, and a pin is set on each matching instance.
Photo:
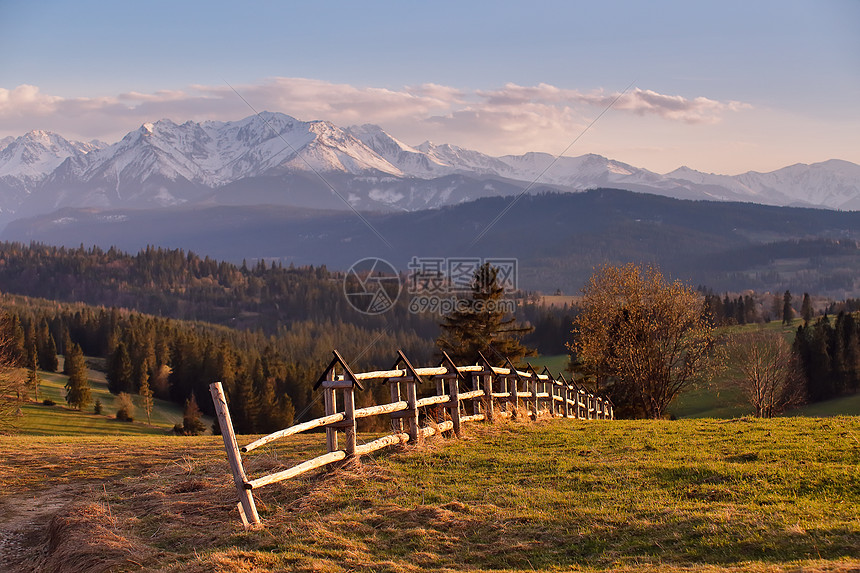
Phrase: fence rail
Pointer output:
(496, 392)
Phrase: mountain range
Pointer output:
(274, 159)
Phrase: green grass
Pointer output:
(60, 420)
(848, 406)
(556, 363)
(690, 495)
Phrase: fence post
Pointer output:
(454, 406)
(396, 420)
(440, 391)
(476, 402)
(565, 395)
(349, 423)
(330, 407)
(550, 403)
(579, 404)
(533, 383)
(412, 408)
(515, 397)
(488, 396)
(247, 508)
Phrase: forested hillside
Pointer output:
(179, 284)
(557, 238)
(268, 379)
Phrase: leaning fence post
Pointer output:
(247, 508)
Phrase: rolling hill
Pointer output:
(558, 238)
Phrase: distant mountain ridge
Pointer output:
(558, 238)
(272, 158)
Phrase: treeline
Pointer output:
(268, 378)
(552, 326)
(743, 309)
(182, 285)
(828, 355)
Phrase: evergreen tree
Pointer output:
(787, 311)
(119, 370)
(145, 393)
(78, 385)
(482, 327)
(51, 363)
(806, 308)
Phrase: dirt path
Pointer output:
(23, 522)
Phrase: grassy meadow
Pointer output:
(60, 420)
(714, 491)
(686, 495)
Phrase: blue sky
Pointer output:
(718, 86)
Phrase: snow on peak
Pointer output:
(160, 161)
(37, 153)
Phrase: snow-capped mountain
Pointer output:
(275, 158)
(26, 161)
(834, 184)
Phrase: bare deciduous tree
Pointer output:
(12, 380)
(766, 371)
(646, 338)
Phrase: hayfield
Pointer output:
(689, 495)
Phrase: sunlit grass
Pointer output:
(60, 420)
(687, 495)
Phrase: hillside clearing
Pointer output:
(690, 495)
(60, 420)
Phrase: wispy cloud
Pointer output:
(512, 117)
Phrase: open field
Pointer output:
(689, 495)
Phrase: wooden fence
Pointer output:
(494, 393)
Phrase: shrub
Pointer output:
(125, 407)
